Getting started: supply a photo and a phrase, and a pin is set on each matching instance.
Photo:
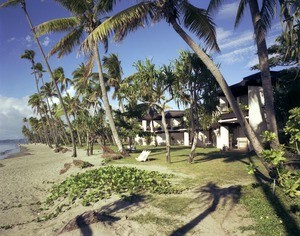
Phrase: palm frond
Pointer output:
(120, 24)
(56, 25)
(199, 22)
(74, 6)
(268, 11)
(68, 43)
(240, 12)
(214, 5)
(10, 3)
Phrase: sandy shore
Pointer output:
(27, 177)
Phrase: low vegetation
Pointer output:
(93, 185)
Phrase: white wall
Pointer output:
(256, 113)
(222, 137)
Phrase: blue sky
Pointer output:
(159, 42)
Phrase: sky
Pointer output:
(158, 42)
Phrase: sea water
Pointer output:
(10, 146)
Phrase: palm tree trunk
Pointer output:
(168, 146)
(107, 105)
(23, 5)
(55, 131)
(44, 110)
(257, 146)
(265, 72)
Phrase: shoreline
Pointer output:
(26, 179)
(24, 151)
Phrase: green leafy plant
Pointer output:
(288, 180)
(93, 185)
(292, 128)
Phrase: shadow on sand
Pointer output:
(214, 194)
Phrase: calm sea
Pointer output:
(10, 146)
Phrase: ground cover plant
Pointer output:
(93, 185)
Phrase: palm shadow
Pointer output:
(211, 192)
(102, 215)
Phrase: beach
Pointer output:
(27, 177)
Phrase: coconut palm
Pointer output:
(36, 103)
(30, 54)
(61, 79)
(85, 18)
(114, 70)
(22, 3)
(175, 12)
(261, 21)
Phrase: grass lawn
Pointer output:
(214, 170)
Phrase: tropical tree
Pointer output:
(61, 79)
(36, 103)
(195, 86)
(85, 18)
(22, 3)
(30, 54)
(112, 64)
(158, 83)
(175, 12)
(261, 21)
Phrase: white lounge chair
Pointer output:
(143, 156)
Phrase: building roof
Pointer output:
(168, 115)
(241, 88)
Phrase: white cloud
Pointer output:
(252, 62)
(223, 34)
(228, 10)
(46, 41)
(28, 38)
(238, 55)
(12, 112)
(237, 40)
(11, 39)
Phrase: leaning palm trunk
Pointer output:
(53, 126)
(54, 138)
(164, 123)
(23, 5)
(257, 146)
(106, 104)
(265, 72)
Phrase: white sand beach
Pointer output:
(27, 178)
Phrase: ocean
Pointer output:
(10, 146)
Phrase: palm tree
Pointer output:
(175, 12)
(29, 54)
(114, 70)
(61, 79)
(13, 3)
(36, 103)
(261, 21)
(84, 20)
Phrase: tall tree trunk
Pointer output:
(168, 146)
(194, 145)
(265, 71)
(107, 105)
(257, 146)
(44, 110)
(88, 151)
(23, 5)
(53, 126)
(194, 133)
